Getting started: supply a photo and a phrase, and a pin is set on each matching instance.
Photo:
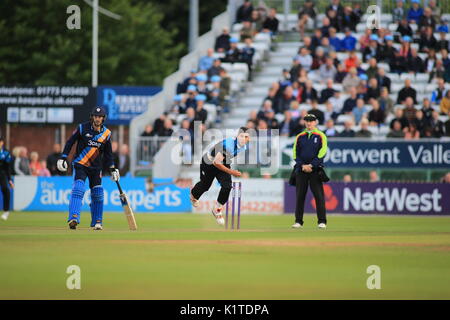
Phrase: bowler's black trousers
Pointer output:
(4, 186)
(303, 180)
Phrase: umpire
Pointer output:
(310, 148)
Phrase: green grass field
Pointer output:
(176, 256)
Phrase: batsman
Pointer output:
(92, 151)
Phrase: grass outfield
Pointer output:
(176, 256)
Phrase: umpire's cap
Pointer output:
(98, 111)
(310, 117)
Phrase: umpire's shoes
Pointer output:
(73, 224)
(297, 225)
(98, 226)
(322, 226)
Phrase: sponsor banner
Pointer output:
(124, 103)
(53, 194)
(263, 196)
(389, 154)
(34, 104)
(388, 198)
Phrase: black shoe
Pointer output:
(73, 224)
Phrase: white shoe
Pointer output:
(194, 201)
(322, 226)
(98, 226)
(297, 226)
(217, 213)
(5, 215)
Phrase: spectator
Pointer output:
(177, 105)
(306, 17)
(373, 91)
(347, 178)
(272, 122)
(389, 51)
(415, 12)
(359, 111)
(438, 71)
(271, 23)
(247, 53)
(185, 135)
(447, 125)
(22, 163)
(409, 111)
(337, 101)
(329, 112)
(305, 59)
(319, 58)
(427, 40)
(437, 125)
(244, 11)
(404, 29)
(351, 61)
(35, 164)
(348, 43)
(427, 20)
(285, 101)
(167, 130)
(330, 130)
(350, 102)
(336, 8)
(351, 80)
(411, 132)
(247, 31)
(446, 178)
(327, 71)
(415, 63)
(335, 42)
(400, 117)
(439, 93)
(115, 154)
(223, 41)
(372, 50)
(288, 125)
(405, 92)
(124, 159)
(340, 74)
(420, 122)
(349, 19)
(365, 39)
(200, 113)
(295, 69)
(445, 103)
(309, 93)
(335, 21)
(328, 92)
(206, 62)
(43, 171)
(148, 131)
(348, 131)
(435, 10)
(398, 13)
(427, 109)
(189, 103)
(258, 20)
(364, 132)
(52, 159)
(233, 54)
(396, 130)
(373, 176)
(383, 80)
(376, 116)
(315, 111)
(325, 27)
(442, 27)
(385, 101)
(216, 68)
(442, 43)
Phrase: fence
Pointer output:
(146, 149)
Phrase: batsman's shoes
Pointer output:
(297, 226)
(73, 224)
(217, 213)
(98, 226)
(322, 226)
(5, 215)
(194, 201)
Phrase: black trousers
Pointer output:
(4, 185)
(207, 174)
(303, 180)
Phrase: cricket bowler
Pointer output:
(93, 150)
(5, 178)
(216, 163)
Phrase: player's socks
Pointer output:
(76, 200)
(5, 215)
(96, 205)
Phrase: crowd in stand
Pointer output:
(353, 68)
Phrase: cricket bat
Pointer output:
(127, 208)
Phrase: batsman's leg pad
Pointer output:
(97, 197)
(76, 200)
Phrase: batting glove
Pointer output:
(115, 175)
(62, 165)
